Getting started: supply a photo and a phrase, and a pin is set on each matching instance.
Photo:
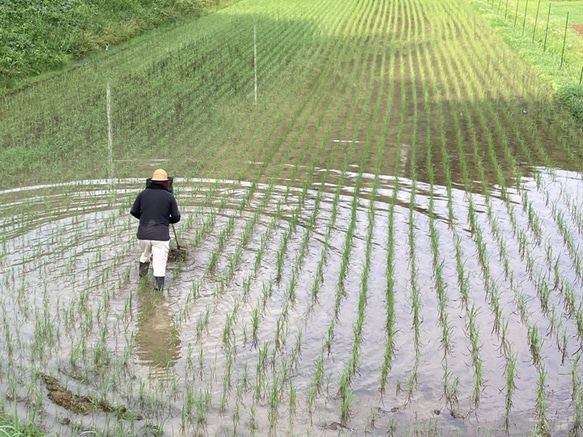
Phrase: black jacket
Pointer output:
(156, 208)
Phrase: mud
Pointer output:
(75, 403)
(177, 254)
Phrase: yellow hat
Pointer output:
(160, 175)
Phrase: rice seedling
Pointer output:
(319, 372)
(227, 330)
(202, 403)
(522, 307)
(255, 324)
(576, 397)
(541, 403)
(450, 388)
(345, 396)
(510, 371)
(563, 347)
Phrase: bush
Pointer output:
(572, 98)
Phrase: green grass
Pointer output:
(544, 36)
(40, 36)
(11, 428)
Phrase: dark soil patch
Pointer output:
(578, 29)
(81, 404)
(72, 402)
(177, 254)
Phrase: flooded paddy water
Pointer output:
(388, 242)
(211, 351)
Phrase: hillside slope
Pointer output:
(39, 36)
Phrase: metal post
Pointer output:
(564, 41)
(547, 31)
(255, 57)
(109, 133)
(524, 21)
(535, 20)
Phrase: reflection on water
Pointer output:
(157, 344)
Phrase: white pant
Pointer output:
(158, 251)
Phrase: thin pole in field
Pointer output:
(535, 20)
(547, 30)
(109, 132)
(524, 21)
(255, 57)
(564, 40)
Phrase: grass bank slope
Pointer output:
(548, 35)
(38, 36)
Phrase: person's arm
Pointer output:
(136, 210)
(174, 213)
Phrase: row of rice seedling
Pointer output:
(450, 379)
(494, 292)
(412, 378)
(528, 259)
(272, 392)
(363, 298)
(390, 324)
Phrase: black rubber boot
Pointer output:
(144, 269)
(159, 282)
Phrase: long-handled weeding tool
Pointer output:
(176, 253)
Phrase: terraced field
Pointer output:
(382, 208)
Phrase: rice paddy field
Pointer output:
(382, 206)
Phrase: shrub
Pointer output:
(572, 98)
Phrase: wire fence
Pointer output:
(541, 21)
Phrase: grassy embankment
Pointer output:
(38, 37)
(548, 35)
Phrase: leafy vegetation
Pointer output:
(37, 36)
(572, 98)
(11, 428)
(547, 35)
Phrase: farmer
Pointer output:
(156, 208)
